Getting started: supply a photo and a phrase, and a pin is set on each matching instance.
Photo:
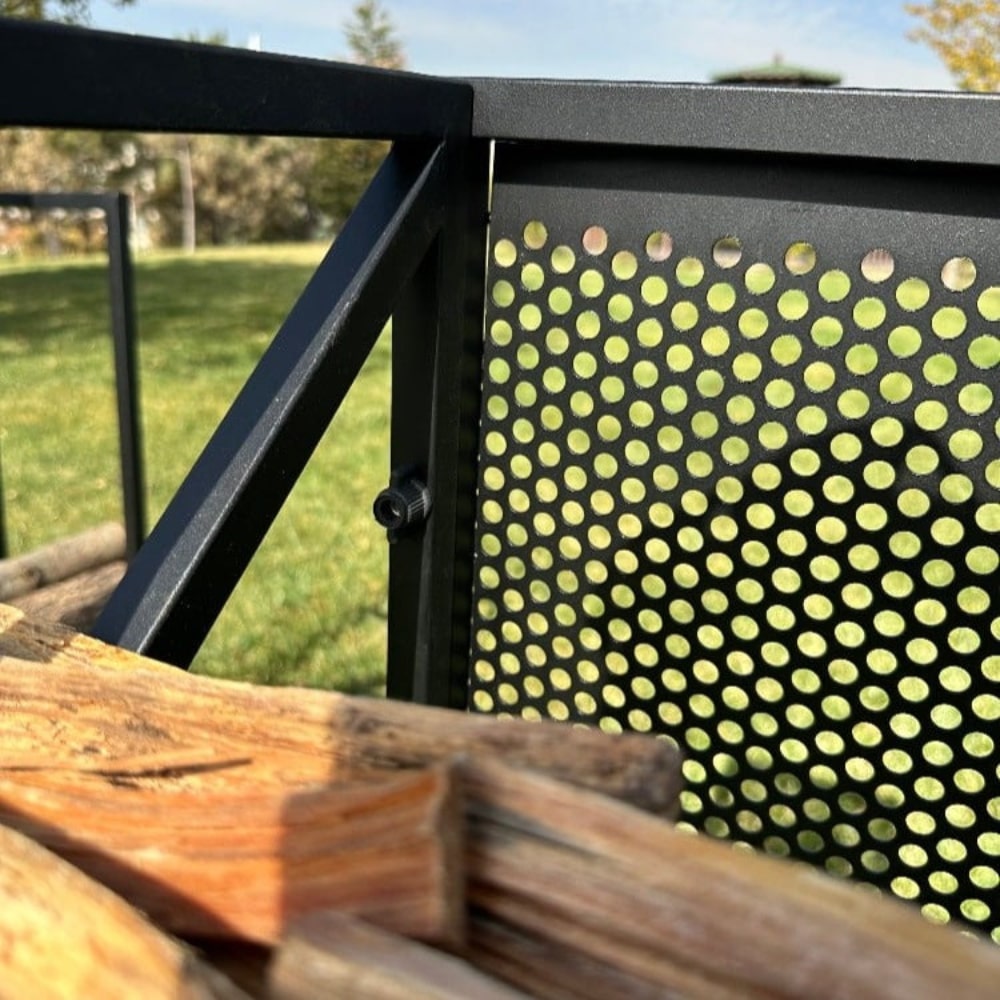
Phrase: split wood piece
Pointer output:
(566, 886)
(333, 954)
(61, 711)
(63, 935)
(242, 864)
(77, 601)
(540, 966)
(61, 559)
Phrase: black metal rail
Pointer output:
(736, 171)
(94, 79)
(839, 124)
(441, 128)
(413, 249)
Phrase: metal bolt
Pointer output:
(403, 504)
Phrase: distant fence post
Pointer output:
(121, 288)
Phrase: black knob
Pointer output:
(402, 505)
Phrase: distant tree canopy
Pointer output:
(966, 35)
(206, 189)
(345, 166)
(72, 11)
(371, 37)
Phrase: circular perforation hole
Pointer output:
(595, 240)
(958, 274)
(505, 253)
(659, 245)
(535, 235)
(624, 265)
(878, 265)
(759, 278)
(727, 252)
(800, 258)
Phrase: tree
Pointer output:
(371, 37)
(246, 189)
(60, 160)
(71, 11)
(966, 35)
(48, 160)
(344, 167)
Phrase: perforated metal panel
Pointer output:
(740, 485)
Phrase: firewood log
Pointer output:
(76, 601)
(241, 863)
(61, 559)
(333, 954)
(569, 890)
(71, 695)
(63, 936)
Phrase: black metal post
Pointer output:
(3, 518)
(121, 286)
(415, 323)
(437, 345)
(184, 574)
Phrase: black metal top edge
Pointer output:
(920, 127)
(48, 200)
(67, 77)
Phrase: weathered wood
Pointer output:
(61, 559)
(241, 863)
(63, 935)
(516, 956)
(331, 954)
(567, 886)
(77, 601)
(70, 696)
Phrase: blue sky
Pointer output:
(675, 40)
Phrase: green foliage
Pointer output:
(966, 35)
(71, 11)
(371, 37)
(344, 167)
(311, 609)
(209, 189)
(341, 172)
(247, 189)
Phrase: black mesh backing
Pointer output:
(740, 486)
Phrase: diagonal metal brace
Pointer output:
(182, 577)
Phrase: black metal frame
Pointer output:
(121, 290)
(413, 248)
(416, 249)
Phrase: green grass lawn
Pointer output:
(311, 609)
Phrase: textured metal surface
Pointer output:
(941, 128)
(437, 338)
(740, 485)
(115, 81)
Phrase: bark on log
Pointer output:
(75, 602)
(242, 863)
(570, 889)
(61, 560)
(333, 954)
(62, 705)
(63, 936)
